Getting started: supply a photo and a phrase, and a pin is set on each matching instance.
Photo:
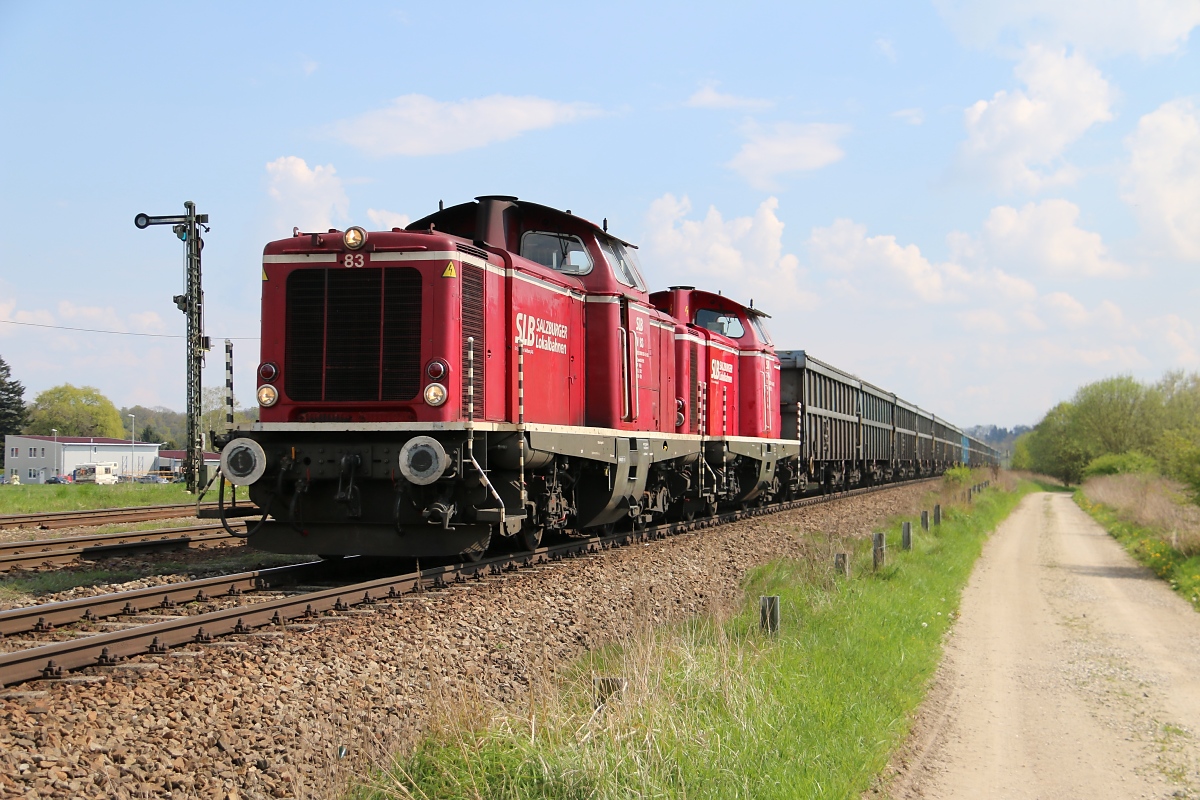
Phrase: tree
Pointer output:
(212, 412)
(1054, 448)
(1021, 457)
(169, 426)
(12, 402)
(74, 411)
(1115, 415)
(13, 414)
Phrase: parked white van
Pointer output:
(103, 472)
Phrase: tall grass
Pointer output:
(716, 708)
(1152, 518)
(1152, 502)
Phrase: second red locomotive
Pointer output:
(500, 368)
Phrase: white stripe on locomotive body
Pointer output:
(302, 258)
(550, 287)
(430, 255)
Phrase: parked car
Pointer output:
(57, 479)
(151, 479)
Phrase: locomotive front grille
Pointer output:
(353, 335)
(472, 326)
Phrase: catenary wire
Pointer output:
(120, 333)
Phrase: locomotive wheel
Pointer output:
(529, 537)
(476, 551)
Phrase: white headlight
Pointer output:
(354, 237)
(267, 396)
(435, 394)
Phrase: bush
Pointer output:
(958, 476)
(1120, 464)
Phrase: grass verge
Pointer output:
(1150, 545)
(715, 708)
(37, 498)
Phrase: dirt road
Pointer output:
(1071, 673)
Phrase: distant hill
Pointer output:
(160, 424)
(1000, 438)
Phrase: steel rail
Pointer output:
(99, 516)
(56, 551)
(47, 616)
(108, 649)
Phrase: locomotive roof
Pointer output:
(451, 216)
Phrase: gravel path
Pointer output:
(1072, 673)
(299, 713)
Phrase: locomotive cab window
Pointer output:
(558, 251)
(760, 328)
(720, 322)
(624, 264)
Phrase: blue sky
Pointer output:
(979, 206)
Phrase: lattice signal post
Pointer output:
(187, 227)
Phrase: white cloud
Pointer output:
(312, 199)
(1104, 27)
(387, 219)
(1162, 181)
(984, 320)
(913, 116)
(417, 125)
(1180, 336)
(1072, 314)
(309, 66)
(845, 247)
(786, 147)
(708, 97)
(1044, 237)
(886, 49)
(743, 256)
(1017, 138)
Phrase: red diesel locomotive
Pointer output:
(499, 368)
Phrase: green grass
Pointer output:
(79, 497)
(17, 587)
(1149, 546)
(714, 708)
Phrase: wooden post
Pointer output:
(841, 563)
(924, 520)
(768, 613)
(906, 536)
(879, 551)
(937, 514)
(605, 688)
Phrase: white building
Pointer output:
(35, 458)
(172, 460)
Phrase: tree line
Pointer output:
(1119, 425)
(85, 411)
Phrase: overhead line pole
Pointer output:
(191, 303)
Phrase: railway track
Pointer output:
(41, 552)
(53, 660)
(103, 516)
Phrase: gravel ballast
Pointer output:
(299, 712)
